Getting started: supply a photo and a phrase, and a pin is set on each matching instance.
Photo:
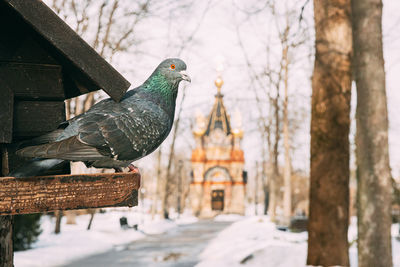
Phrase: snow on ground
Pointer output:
(228, 217)
(255, 236)
(76, 242)
(250, 241)
(255, 241)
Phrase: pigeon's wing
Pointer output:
(127, 134)
(68, 149)
(43, 139)
(119, 132)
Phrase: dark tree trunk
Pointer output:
(6, 243)
(266, 199)
(374, 178)
(58, 215)
(274, 155)
(330, 124)
(90, 220)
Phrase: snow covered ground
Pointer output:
(255, 241)
(248, 241)
(76, 242)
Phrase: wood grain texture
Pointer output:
(18, 42)
(33, 81)
(66, 192)
(6, 114)
(6, 244)
(34, 118)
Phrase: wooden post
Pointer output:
(6, 244)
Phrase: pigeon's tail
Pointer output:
(36, 167)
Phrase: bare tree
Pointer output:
(273, 80)
(168, 178)
(266, 124)
(111, 31)
(372, 151)
(287, 167)
(105, 36)
(330, 125)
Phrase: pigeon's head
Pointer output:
(174, 69)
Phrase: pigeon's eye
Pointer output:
(172, 66)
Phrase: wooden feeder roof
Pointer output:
(85, 69)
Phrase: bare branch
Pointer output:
(109, 24)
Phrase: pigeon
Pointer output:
(112, 134)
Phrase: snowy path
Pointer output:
(178, 247)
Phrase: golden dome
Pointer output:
(199, 132)
(237, 132)
(219, 82)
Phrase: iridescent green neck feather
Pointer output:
(162, 90)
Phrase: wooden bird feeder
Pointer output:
(66, 192)
(42, 63)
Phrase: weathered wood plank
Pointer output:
(6, 113)
(66, 192)
(35, 81)
(18, 42)
(33, 118)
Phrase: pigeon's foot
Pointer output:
(133, 168)
(118, 169)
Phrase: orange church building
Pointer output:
(219, 180)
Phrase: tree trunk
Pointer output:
(70, 216)
(168, 176)
(154, 206)
(272, 194)
(330, 124)
(374, 178)
(274, 154)
(266, 199)
(91, 212)
(6, 243)
(287, 170)
(58, 214)
(264, 183)
(256, 191)
(180, 190)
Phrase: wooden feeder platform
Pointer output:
(66, 192)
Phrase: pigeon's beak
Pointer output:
(185, 76)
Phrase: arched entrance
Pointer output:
(219, 182)
(217, 199)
